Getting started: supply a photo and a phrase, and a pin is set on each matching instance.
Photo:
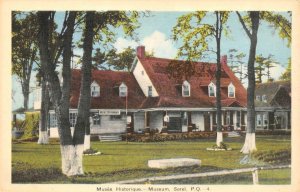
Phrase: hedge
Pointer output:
(167, 137)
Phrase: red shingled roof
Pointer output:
(167, 87)
(109, 82)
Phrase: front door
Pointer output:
(206, 122)
(175, 124)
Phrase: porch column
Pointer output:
(211, 121)
(222, 118)
(234, 119)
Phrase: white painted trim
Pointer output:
(71, 157)
(43, 137)
(249, 145)
(219, 138)
(87, 142)
(231, 85)
(214, 87)
(186, 83)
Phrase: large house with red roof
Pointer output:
(148, 97)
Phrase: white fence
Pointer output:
(253, 170)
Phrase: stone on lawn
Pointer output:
(176, 162)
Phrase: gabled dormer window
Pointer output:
(95, 89)
(186, 89)
(123, 90)
(231, 91)
(211, 90)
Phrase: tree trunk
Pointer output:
(250, 145)
(71, 152)
(43, 133)
(25, 91)
(218, 82)
(82, 123)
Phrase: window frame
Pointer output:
(231, 86)
(258, 120)
(52, 120)
(95, 88)
(213, 86)
(265, 121)
(123, 93)
(96, 121)
(186, 87)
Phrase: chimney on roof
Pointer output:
(140, 51)
(224, 60)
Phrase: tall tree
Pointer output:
(236, 61)
(60, 96)
(250, 24)
(104, 22)
(250, 145)
(24, 50)
(195, 44)
(56, 48)
(82, 126)
(259, 68)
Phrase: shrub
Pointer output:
(31, 125)
(155, 137)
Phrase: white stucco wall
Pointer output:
(143, 79)
(54, 132)
(198, 119)
(109, 126)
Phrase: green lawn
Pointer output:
(33, 163)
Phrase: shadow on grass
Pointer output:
(25, 173)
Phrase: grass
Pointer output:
(33, 163)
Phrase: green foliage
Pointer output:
(280, 23)
(123, 60)
(180, 70)
(288, 72)
(263, 66)
(32, 124)
(236, 61)
(196, 33)
(222, 146)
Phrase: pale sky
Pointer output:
(155, 34)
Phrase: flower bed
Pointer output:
(167, 136)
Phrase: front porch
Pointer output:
(189, 120)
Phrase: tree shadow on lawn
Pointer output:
(26, 173)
